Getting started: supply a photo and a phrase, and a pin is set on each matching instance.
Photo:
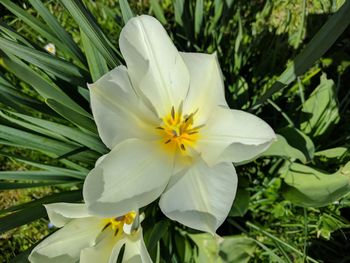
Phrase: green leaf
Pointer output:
(208, 247)
(126, 10)
(47, 62)
(300, 141)
(281, 147)
(237, 249)
(198, 16)
(158, 11)
(34, 175)
(318, 45)
(73, 134)
(44, 87)
(73, 116)
(309, 187)
(241, 203)
(336, 152)
(179, 6)
(156, 233)
(67, 196)
(88, 24)
(320, 110)
(58, 30)
(21, 217)
(10, 186)
(97, 64)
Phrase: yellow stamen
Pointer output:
(177, 130)
(116, 224)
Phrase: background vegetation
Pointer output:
(285, 61)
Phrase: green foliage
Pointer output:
(286, 61)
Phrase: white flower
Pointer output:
(88, 239)
(170, 132)
(50, 48)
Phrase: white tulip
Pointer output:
(170, 132)
(88, 239)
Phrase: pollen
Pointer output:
(116, 224)
(178, 130)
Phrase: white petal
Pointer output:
(135, 250)
(100, 252)
(65, 244)
(131, 176)
(202, 197)
(233, 135)
(206, 85)
(119, 114)
(154, 65)
(61, 213)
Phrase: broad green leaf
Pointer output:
(208, 247)
(198, 16)
(58, 30)
(88, 24)
(281, 147)
(58, 67)
(308, 187)
(126, 10)
(320, 110)
(158, 11)
(97, 64)
(318, 45)
(336, 152)
(9, 33)
(299, 140)
(73, 116)
(237, 249)
(241, 203)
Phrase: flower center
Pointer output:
(177, 130)
(116, 224)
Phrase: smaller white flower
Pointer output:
(50, 48)
(88, 239)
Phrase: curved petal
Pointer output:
(100, 252)
(233, 135)
(206, 85)
(131, 176)
(202, 197)
(65, 244)
(118, 112)
(154, 65)
(62, 213)
(135, 250)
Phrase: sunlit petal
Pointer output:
(61, 213)
(135, 250)
(206, 85)
(131, 176)
(233, 135)
(154, 65)
(202, 197)
(65, 244)
(118, 112)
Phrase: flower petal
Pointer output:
(202, 197)
(65, 244)
(154, 65)
(131, 176)
(118, 112)
(135, 250)
(62, 213)
(234, 136)
(206, 85)
(102, 251)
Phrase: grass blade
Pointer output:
(126, 10)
